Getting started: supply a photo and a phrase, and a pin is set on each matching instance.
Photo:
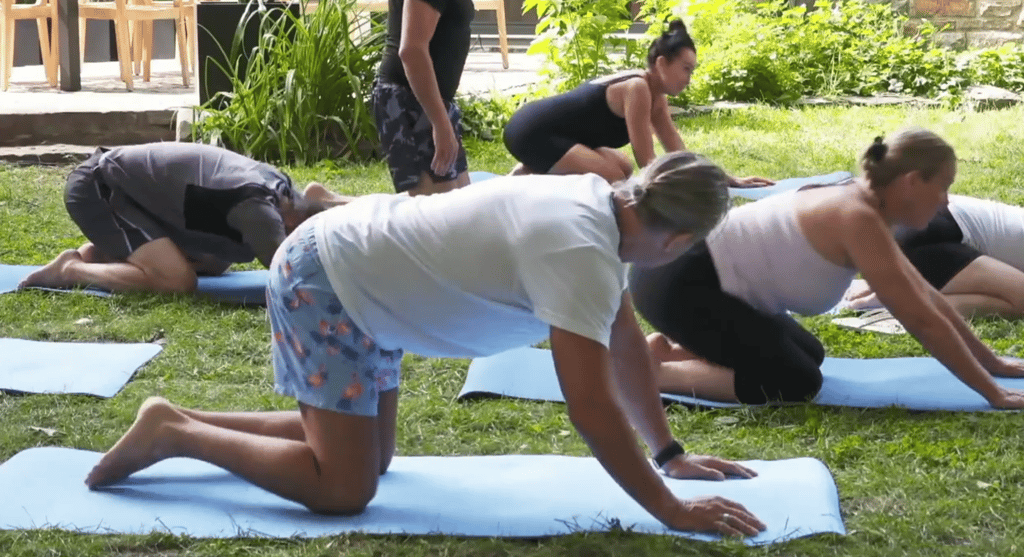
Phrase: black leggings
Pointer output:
(938, 251)
(773, 357)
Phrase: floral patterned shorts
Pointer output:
(320, 357)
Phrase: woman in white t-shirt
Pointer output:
(467, 273)
(972, 252)
(721, 309)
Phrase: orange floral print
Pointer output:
(355, 389)
(318, 379)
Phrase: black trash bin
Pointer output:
(217, 23)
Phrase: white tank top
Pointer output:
(762, 257)
(995, 229)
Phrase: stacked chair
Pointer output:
(133, 26)
(41, 11)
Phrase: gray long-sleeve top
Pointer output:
(211, 201)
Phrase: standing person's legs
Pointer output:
(406, 138)
(327, 455)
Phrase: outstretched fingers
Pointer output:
(706, 468)
(737, 521)
(722, 516)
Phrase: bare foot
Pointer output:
(870, 301)
(54, 273)
(520, 170)
(315, 192)
(664, 350)
(146, 443)
(858, 289)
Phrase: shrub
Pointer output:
(772, 52)
(484, 117)
(578, 39)
(306, 88)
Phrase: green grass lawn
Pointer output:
(924, 484)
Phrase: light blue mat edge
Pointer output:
(239, 287)
(81, 368)
(528, 373)
(790, 184)
(746, 193)
(522, 496)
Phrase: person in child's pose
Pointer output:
(160, 214)
(972, 252)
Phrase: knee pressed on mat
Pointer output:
(336, 502)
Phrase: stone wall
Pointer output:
(969, 23)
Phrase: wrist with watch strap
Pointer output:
(666, 454)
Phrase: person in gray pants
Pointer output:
(158, 215)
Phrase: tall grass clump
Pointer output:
(303, 94)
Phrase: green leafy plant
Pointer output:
(484, 117)
(1001, 66)
(306, 88)
(773, 52)
(582, 39)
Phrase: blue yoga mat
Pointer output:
(236, 287)
(11, 275)
(100, 369)
(748, 193)
(789, 184)
(912, 383)
(506, 496)
(480, 176)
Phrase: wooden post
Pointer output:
(70, 57)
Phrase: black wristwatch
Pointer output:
(666, 454)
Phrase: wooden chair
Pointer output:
(135, 19)
(499, 7)
(142, 35)
(496, 5)
(40, 11)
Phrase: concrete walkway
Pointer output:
(41, 124)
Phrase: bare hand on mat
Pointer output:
(751, 182)
(716, 514)
(700, 467)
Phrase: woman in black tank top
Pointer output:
(580, 131)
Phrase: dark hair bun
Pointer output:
(670, 42)
(878, 149)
